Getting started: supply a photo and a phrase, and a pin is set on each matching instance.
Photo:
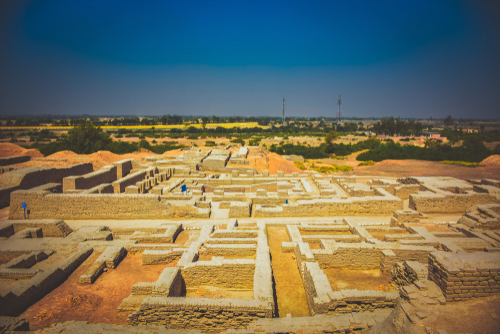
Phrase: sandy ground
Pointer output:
(479, 316)
(341, 279)
(8, 150)
(93, 303)
(290, 292)
(405, 168)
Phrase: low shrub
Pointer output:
(210, 143)
(367, 163)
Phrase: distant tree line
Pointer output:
(398, 127)
(86, 138)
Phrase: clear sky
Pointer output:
(425, 58)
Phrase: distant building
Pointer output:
(470, 130)
(431, 135)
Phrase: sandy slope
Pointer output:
(8, 150)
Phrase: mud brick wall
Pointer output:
(412, 253)
(222, 250)
(428, 202)
(164, 285)
(404, 191)
(459, 282)
(370, 256)
(25, 294)
(31, 177)
(151, 256)
(14, 160)
(356, 256)
(334, 207)
(240, 209)
(44, 204)
(215, 162)
(147, 238)
(7, 256)
(203, 314)
(234, 234)
(184, 211)
(139, 248)
(407, 216)
(269, 187)
(109, 259)
(231, 274)
(323, 300)
(129, 180)
(143, 288)
(15, 274)
(105, 188)
(106, 174)
(51, 228)
(123, 167)
(6, 230)
(231, 241)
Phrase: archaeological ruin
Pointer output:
(202, 242)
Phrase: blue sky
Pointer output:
(387, 58)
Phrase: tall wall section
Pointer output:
(30, 177)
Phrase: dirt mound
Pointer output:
(493, 160)
(63, 154)
(261, 159)
(104, 155)
(173, 153)
(9, 150)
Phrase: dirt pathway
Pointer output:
(289, 287)
(93, 303)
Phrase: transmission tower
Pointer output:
(283, 120)
(339, 114)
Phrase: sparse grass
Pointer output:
(367, 163)
(333, 169)
(300, 165)
(325, 169)
(461, 163)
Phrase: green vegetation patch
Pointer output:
(300, 165)
(472, 150)
(86, 138)
(367, 163)
(333, 169)
(461, 163)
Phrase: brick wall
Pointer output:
(106, 174)
(333, 207)
(323, 300)
(4, 161)
(204, 314)
(463, 276)
(31, 177)
(231, 274)
(82, 206)
(429, 202)
(22, 296)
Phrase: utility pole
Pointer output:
(339, 114)
(283, 121)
